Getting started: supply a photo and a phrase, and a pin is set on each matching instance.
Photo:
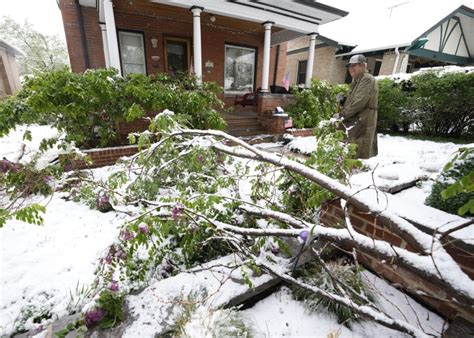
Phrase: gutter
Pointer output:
(395, 66)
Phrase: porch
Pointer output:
(237, 44)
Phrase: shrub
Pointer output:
(459, 170)
(444, 104)
(315, 104)
(88, 106)
(394, 106)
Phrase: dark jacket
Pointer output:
(360, 115)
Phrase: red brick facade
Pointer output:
(161, 21)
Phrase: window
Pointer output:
(239, 69)
(132, 53)
(301, 78)
(378, 64)
(177, 55)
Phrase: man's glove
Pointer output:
(340, 98)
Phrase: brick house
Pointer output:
(395, 47)
(237, 44)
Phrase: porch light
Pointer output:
(212, 18)
(154, 42)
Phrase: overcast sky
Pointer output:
(46, 17)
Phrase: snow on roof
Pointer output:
(11, 49)
(396, 25)
(439, 70)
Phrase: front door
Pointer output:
(177, 55)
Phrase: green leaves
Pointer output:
(88, 107)
(454, 190)
(30, 214)
(315, 104)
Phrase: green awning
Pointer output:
(418, 44)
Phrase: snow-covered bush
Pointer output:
(453, 191)
(88, 106)
(315, 104)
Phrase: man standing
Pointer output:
(360, 108)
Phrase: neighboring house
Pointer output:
(9, 74)
(326, 65)
(395, 46)
(234, 43)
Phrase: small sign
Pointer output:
(209, 64)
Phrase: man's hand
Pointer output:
(340, 98)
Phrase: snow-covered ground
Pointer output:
(42, 265)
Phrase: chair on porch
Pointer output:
(249, 99)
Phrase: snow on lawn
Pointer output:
(399, 157)
(41, 265)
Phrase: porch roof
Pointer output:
(298, 16)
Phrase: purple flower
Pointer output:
(114, 285)
(102, 203)
(303, 236)
(200, 158)
(47, 179)
(110, 255)
(109, 258)
(127, 235)
(120, 254)
(177, 210)
(93, 316)
(275, 250)
(68, 167)
(143, 228)
(6, 166)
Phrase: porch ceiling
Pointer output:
(302, 16)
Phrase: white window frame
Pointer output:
(254, 50)
(142, 40)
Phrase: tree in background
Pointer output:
(43, 52)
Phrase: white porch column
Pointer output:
(105, 44)
(310, 63)
(197, 58)
(113, 50)
(266, 55)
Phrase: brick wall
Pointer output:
(301, 132)
(371, 226)
(387, 63)
(326, 65)
(105, 156)
(266, 105)
(70, 15)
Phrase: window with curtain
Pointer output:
(301, 72)
(132, 52)
(239, 69)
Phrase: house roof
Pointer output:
(303, 16)
(10, 49)
(408, 23)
